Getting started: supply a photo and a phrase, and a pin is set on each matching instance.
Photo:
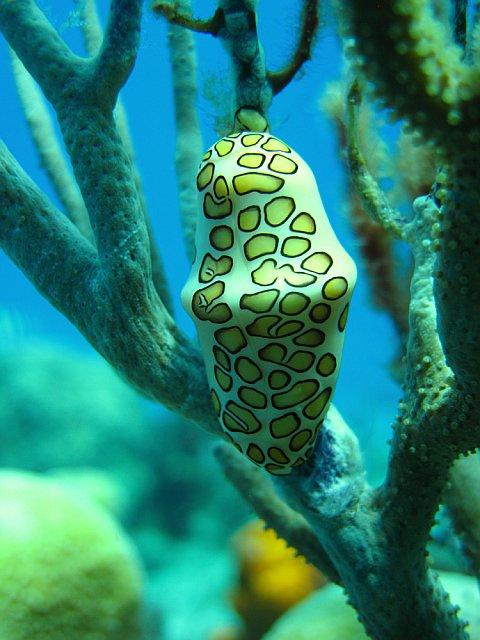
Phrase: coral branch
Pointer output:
(457, 286)
(43, 243)
(159, 278)
(40, 48)
(235, 22)
(93, 37)
(106, 177)
(188, 139)
(259, 493)
(388, 582)
(117, 55)
(51, 155)
(91, 27)
(107, 183)
(309, 25)
(425, 440)
(240, 36)
(374, 222)
(411, 58)
(389, 289)
(463, 502)
(371, 196)
(180, 16)
(424, 345)
(436, 424)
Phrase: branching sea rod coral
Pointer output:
(108, 293)
(372, 541)
(440, 97)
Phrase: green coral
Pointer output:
(325, 615)
(66, 568)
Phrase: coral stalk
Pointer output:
(235, 22)
(108, 295)
(464, 506)
(308, 29)
(51, 156)
(260, 493)
(188, 139)
(93, 37)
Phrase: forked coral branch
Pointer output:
(108, 294)
(310, 21)
(218, 25)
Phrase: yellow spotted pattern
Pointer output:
(269, 292)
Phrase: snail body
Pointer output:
(269, 292)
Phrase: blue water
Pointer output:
(365, 393)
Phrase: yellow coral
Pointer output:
(66, 569)
(272, 578)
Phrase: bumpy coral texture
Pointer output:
(66, 569)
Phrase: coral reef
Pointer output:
(66, 568)
(69, 415)
(103, 273)
(325, 615)
(190, 587)
(64, 412)
(76, 403)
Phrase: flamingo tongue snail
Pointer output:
(269, 292)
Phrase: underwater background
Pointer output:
(365, 390)
(64, 412)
